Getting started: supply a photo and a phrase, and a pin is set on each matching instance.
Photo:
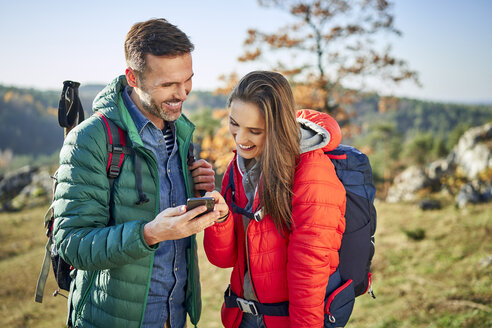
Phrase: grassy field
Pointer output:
(431, 269)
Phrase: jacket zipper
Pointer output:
(191, 266)
(150, 156)
(249, 264)
(86, 293)
(249, 271)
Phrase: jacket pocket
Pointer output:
(339, 303)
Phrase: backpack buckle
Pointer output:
(118, 149)
(114, 171)
(258, 215)
(247, 306)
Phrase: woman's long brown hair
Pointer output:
(271, 92)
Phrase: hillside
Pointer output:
(412, 116)
(29, 127)
(441, 279)
(28, 117)
(27, 121)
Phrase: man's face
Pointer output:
(164, 85)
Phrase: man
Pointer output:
(135, 263)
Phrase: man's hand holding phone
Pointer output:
(179, 222)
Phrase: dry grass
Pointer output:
(436, 282)
(439, 281)
(22, 241)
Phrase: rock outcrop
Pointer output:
(407, 184)
(26, 186)
(470, 159)
(473, 153)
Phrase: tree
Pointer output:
(384, 142)
(205, 123)
(418, 150)
(217, 147)
(332, 46)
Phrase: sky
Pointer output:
(43, 43)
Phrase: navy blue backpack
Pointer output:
(353, 276)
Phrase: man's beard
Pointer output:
(153, 108)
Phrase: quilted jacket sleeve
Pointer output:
(220, 242)
(82, 232)
(318, 216)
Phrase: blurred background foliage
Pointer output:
(410, 132)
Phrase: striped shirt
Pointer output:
(168, 138)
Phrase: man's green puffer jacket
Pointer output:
(113, 261)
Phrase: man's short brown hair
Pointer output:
(156, 37)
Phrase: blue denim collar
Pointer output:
(138, 118)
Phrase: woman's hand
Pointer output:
(220, 205)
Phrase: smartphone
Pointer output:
(193, 202)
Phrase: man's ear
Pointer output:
(131, 77)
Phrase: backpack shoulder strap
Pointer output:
(116, 146)
(236, 208)
(354, 170)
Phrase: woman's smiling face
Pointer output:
(247, 127)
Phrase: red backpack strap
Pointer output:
(116, 146)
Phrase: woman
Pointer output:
(287, 206)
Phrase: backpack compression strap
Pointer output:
(45, 267)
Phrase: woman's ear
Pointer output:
(131, 77)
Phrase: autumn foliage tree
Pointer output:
(329, 50)
(217, 147)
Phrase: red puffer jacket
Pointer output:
(294, 267)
